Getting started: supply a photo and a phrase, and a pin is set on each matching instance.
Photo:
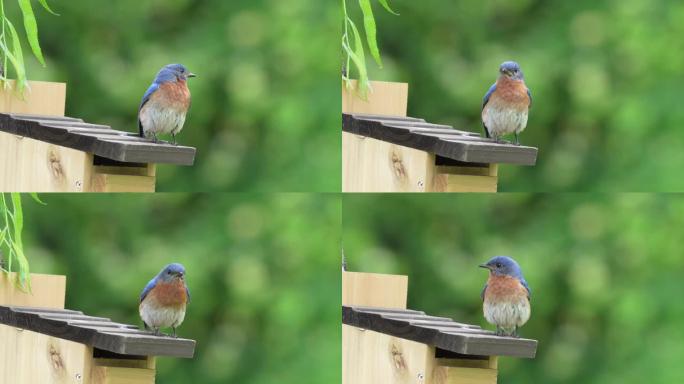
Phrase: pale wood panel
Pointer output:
(370, 165)
(465, 183)
(104, 182)
(369, 358)
(147, 363)
(118, 375)
(27, 358)
(459, 375)
(374, 290)
(47, 291)
(42, 98)
(28, 165)
(384, 98)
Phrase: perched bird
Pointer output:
(506, 296)
(164, 299)
(506, 104)
(165, 103)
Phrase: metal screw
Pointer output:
(420, 183)
(421, 377)
(79, 185)
(79, 377)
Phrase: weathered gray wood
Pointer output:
(100, 140)
(442, 140)
(446, 335)
(98, 332)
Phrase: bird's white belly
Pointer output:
(507, 314)
(502, 121)
(159, 316)
(156, 119)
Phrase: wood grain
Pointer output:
(374, 290)
(42, 98)
(444, 334)
(96, 332)
(385, 98)
(29, 357)
(47, 291)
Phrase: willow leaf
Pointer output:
(31, 29)
(16, 57)
(47, 8)
(37, 199)
(371, 31)
(359, 59)
(387, 7)
(17, 245)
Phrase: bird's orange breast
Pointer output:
(504, 288)
(170, 294)
(174, 94)
(511, 92)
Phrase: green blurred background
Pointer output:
(262, 281)
(605, 273)
(261, 117)
(606, 78)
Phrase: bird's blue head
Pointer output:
(173, 72)
(511, 69)
(503, 266)
(172, 272)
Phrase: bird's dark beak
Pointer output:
(190, 74)
(485, 266)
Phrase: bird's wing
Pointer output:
(483, 292)
(527, 287)
(145, 99)
(147, 289)
(529, 94)
(485, 100)
(487, 95)
(187, 292)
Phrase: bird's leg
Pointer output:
(154, 137)
(517, 139)
(498, 331)
(156, 332)
(174, 332)
(515, 332)
(174, 139)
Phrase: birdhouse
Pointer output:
(384, 342)
(48, 344)
(41, 150)
(383, 150)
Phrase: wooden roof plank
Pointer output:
(466, 147)
(447, 335)
(96, 332)
(98, 139)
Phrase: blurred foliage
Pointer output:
(260, 116)
(605, 273)
(259, 271)
(605, 77)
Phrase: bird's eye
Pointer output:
(168, 272)
(498, 265)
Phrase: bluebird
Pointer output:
(506, 104)
(506, 296)
(164, 299)
(165, 103)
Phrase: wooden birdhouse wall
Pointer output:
(371, 165)
(29, 165)
(28, 357)
(370, 357)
